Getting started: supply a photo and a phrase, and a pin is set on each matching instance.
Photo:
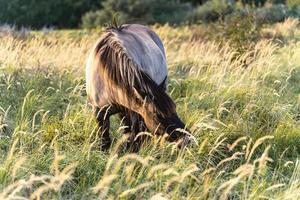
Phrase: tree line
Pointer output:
(91, 13)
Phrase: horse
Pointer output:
(126, 73)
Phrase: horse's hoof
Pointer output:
(105, 146)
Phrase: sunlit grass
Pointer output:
(243, 110)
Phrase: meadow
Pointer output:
(242, 107)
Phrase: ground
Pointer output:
(242, 107)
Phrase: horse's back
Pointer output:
(146, 50)
(140, 44)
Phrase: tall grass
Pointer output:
(243, 109)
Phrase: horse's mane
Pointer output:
(124, 72)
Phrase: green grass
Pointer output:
(49, 148)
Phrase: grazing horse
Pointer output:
(126, 73)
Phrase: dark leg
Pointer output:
(102, 117)
(138, 125)
(126, 122)
(134, 125)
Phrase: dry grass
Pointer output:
(283, 30)
(242, 109)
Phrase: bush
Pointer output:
(214, 10)
(147, 11)
(164, 11)
(211, 11)
(37, 14)
(94, 19)
(275, 13)
(125, 9)
(293, 4)
(296, 12)
(240, 29)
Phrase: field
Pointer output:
(242, 107)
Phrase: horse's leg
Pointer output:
(126, 122)
(138, 125)
(102, 117)
(133, 123)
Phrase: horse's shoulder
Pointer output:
(144, 47)
(138, 29)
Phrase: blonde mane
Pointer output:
(122, 71)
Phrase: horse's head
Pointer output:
(159, 113)
(176, 130)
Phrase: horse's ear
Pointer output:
(162, 85)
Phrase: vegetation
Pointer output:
(178, 13)
(147, 11)
(242, 106)
(93, 13)
(43, 13)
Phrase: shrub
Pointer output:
(126, 10)
(164, 11)
(240, 29)
(293, 4)
(211, 11)
(296, 12)
(275, 13)
(37, 14)
(147, 11)
(94, 19)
